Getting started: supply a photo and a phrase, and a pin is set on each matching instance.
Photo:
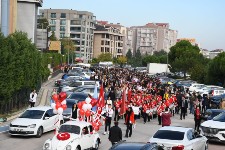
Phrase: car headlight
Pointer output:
(47, 145)
(68, 147)
(32, 126)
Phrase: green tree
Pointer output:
(122, 60)
(183, 56)
(160, 53)
(68, 48)
(42, 23)
(129, 56)
(137, 60)
(216, 70)
(105, 57)
(53, 37)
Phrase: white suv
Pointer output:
(196, 87)
(215, 129)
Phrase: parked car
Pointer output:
(207, 89)
(216, 101)
(73, 98)
(79, 83)
(211, 113)
(216, 92)
(214, 129)
(135, 146)
(179, 138)
(81, 136)
(88, 90)
(195, 87)
(34, 121)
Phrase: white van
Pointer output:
(79, 83)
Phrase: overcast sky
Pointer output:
(203, 20)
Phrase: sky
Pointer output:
(203, 20)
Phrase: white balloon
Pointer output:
(88, 100)
(55, 111)
(63, 102)
(85, 107)
(89, 106)
(60, 110)
(53, 105)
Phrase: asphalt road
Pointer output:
(141, 133)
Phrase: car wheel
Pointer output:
(78, 148)
(39, 132)
(96, 145)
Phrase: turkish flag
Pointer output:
(101, 101)
(123, 104)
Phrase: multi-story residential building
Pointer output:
(108, 39)
(151, 37)
(211, 54)
(78, 25)
(20, 15)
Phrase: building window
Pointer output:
(83, 43)
(102, 49)
(63, 15)
(62, 28)
(75, 22)
(102, 42)
(62, 35)
(75, 29)
(103, 35)
(63, 22)
(53, 15)
(75, 35)
(52, 28)
(53, 21)
(80, 16)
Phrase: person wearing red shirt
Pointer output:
(160, 109)
(129, 120)
(116, 107)
(166, 117)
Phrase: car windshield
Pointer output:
(32, 114)
(169, 135)
(70, 128)
(77, 96)
(215, 114)
(220, 117)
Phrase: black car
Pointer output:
(75, 97)
(211, 113)
(135, 146)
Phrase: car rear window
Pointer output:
(169, 135)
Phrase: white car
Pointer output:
(214, 129)
(207, 89)
(81, 136)
(34, 121)
(195, 87)
(179, 138)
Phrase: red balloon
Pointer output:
(55, 97)
(93, 102)
(62, 96)
(79, 105)
(93, 124)
(64, 106)
(57, 105)
(81, 111)
(96, 128)
(88, 113)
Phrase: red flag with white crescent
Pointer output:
(123, 104)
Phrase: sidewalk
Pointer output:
(41, 98)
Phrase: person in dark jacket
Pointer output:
(75, 110)
(115, 133)
(184, 105)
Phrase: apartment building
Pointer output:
(108, 39)
(78, 25)
(20, 15)
(151, 37)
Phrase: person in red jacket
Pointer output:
(129, 121)
(166, 117)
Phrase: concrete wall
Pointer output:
(27, 19)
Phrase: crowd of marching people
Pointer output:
(132, 95)
(146, 98)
